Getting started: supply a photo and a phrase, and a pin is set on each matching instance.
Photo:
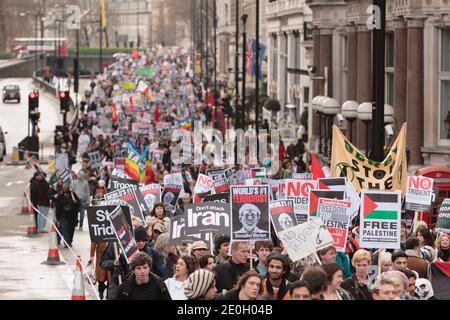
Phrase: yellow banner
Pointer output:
(104, 22)
(348, 161)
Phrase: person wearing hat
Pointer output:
(198, 249)
(201, 285)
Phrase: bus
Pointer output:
(47, 46)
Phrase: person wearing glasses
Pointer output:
(249, 216)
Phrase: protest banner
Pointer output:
(216, 174)
(117, 183)
(33, 163)
(96, 159)
(119, 163)
(133, 198)
(302, 176)
(338, 184)
(65, 176)
(419, 194)
(208, 217)
(221, 186)
(282, 215)
(203, 187)
(443, 220)
(100, 229)
(274, 189)
(315, 194)
(151, 194)
(175, 178)
(61, 161)
(123, 232)
(218, 197)
(347, 161)
(178, 232)
(335, 215)
(157, 156)
(170, 196)
(230, 173)
(305, 239)
(380, 219)
(250, 213)
(298, 190)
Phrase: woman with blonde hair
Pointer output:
(167, 251)
(443, 247)
(358, 284)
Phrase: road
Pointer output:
(23, 275)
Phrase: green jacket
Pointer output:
(342, 260)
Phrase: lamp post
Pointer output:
(317, 108)
(244, 67)
(350, 113)
(330, 108)
(365, 115)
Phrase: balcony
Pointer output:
(284, 7)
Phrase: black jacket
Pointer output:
(155, 289)
(358, 292)
(227, 274)
(232, 295)
(39, 193)
(69, 203)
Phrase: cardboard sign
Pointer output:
(221, 186)
(314, 196)
(298, 191)
(208, 217)
(117, 183)
(33, 163)
(119, 163)
(302, 176)
(380, 219)
(175, 178)
(170, 196)
(335, 215)
(250, 213)
(100, 228)
(178, 231)
(203, 187)
(157, 156)
(96, 159)
(65, 176)
(419, 194)
(134, 199)
(123, 232)
(218, 197)
(151, 194)
(216, 174)
(282, 215)
(443, 220)
(305, 239)
(337, 184)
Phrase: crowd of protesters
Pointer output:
(196, 271)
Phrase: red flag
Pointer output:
(130, 110)
(316, 169)
(114, 113)
(157, 115)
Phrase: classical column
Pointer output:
(326, 57)
(290, 64)
(269, 64)
(317, 88)
(400, 74)
(281, 70)
(414, 95)
(364, 80)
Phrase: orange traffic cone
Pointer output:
(78, 284)
(53, 252)
(32, 229)
(25, 204)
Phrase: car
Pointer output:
(2, 144)
(11, 92)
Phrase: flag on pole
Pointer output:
(132, 162)
(104, 22)
(316, 169)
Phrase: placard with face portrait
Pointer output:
(282, 214)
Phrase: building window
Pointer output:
(444, 85)
(306, 95)
(389, 71)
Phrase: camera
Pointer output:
(312, 70)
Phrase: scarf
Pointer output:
(281, 291)
(412, 253)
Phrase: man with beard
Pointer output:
(275, 285)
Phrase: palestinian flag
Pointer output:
(314, 196)
(440, 280)
(333, 184)
(380, 206)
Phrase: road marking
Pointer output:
(9, 184)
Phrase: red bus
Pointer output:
(48, 46)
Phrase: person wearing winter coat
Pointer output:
(69, 205)
(249, 287)
(81, 187)
(39, 189)
(142, 283)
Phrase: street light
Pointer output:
(317, 108)
(350, 113)
(365, 115)
(330, 108)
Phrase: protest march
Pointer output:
(171, 218)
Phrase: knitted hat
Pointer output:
(198, 284)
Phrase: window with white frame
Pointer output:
(389, 71)
(444, 85)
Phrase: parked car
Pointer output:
(11, 92)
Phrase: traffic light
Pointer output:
(64, 99)
(33, 102)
